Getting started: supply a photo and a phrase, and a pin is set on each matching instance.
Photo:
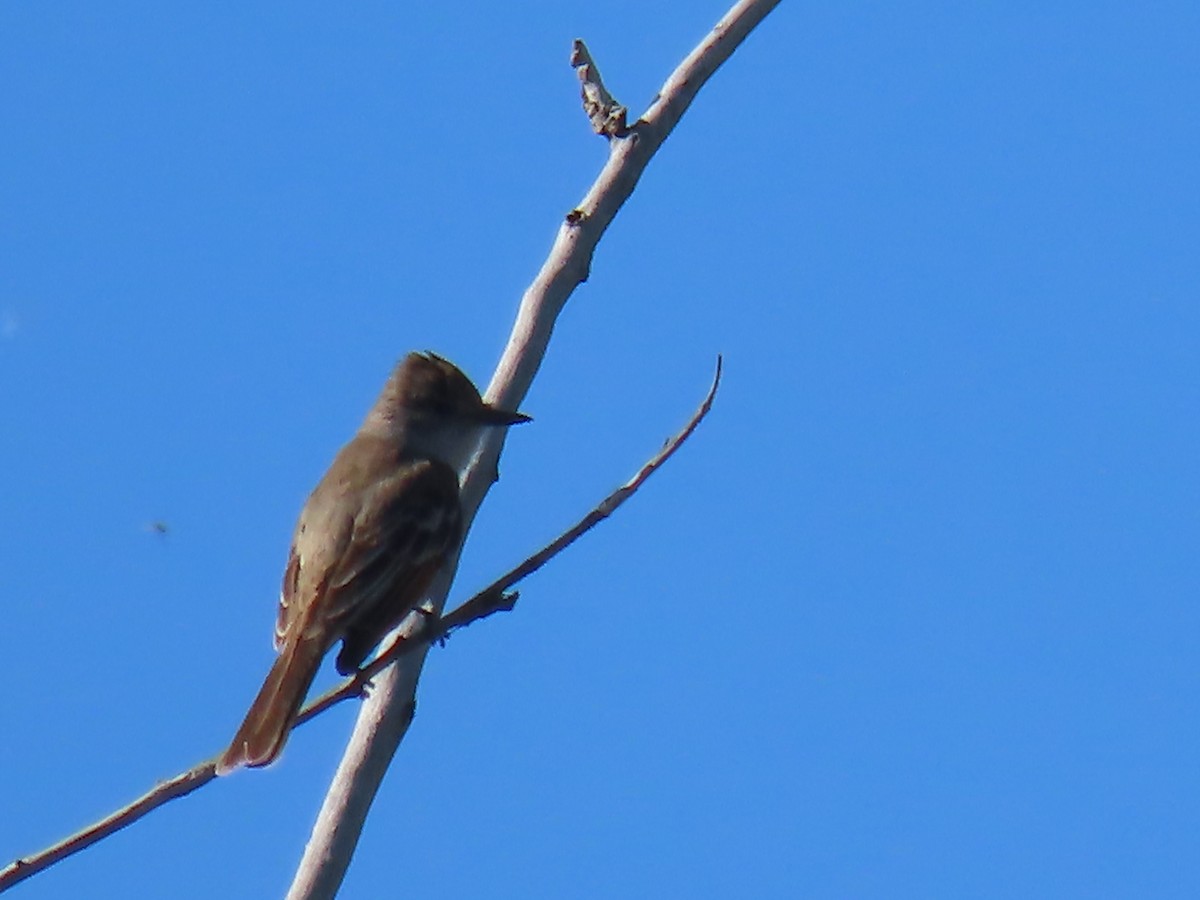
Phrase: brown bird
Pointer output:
(371, 536)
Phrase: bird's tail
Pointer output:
(260, 739)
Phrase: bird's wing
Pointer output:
(289, 604)
(318, 544)
(363, 557)
(405, 528)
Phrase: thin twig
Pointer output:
(488, 600)
(496, 597)
(179, 786)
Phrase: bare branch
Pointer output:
(179, 786)
(382, 721)
(386, 714)
(491, 599)
(494, 598)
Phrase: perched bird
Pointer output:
(371, 536)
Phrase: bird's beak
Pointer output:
(489, 415)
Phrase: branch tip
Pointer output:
(603, 111)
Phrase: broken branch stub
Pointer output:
(603, 111)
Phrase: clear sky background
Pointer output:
(915, 614)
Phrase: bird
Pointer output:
(373, 533)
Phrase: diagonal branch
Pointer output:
(179, 786)
(493, 598)
(384, 717)
(490, 599)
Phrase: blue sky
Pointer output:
(915, 612)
